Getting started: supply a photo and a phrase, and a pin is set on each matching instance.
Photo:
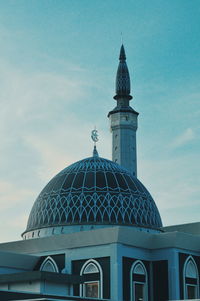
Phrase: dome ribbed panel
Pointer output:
(94, 191)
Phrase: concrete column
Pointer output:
(123, 128)
(174, 288)
(116, 275)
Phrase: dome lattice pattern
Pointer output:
(94, 191)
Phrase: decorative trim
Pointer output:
(49, 260)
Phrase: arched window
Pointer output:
(49, 265)
(93, 286)
(191, 279)
(139, 282)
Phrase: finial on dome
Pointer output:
(94, 136)
(95, 152)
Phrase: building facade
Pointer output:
(95, 231)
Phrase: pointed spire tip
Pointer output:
(122, 55)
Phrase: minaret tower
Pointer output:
(123, 120)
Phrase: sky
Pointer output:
(58, 62)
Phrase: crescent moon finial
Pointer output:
(94, 136)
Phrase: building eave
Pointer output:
(130, 236)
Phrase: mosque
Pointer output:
(95, 232)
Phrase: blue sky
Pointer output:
(58, 63)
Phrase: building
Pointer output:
(95, 231)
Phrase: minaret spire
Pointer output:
(124, 119)
(123, 85)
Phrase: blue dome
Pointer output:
(94, 191)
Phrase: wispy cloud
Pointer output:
(15, 206)
(186, 137)
(40, 133)
(34, 121)
(175, 185)
(11, 194)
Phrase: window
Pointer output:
(191, 279)
(91, 289)
(191, 291)
(49, 265)
(139, 288)
(94, 286)
(139, 291)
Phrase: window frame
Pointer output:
(88, 282)
(100, 281)
(189, 260)
(194, 285)
(133, 282)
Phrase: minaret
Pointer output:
(123, 120)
